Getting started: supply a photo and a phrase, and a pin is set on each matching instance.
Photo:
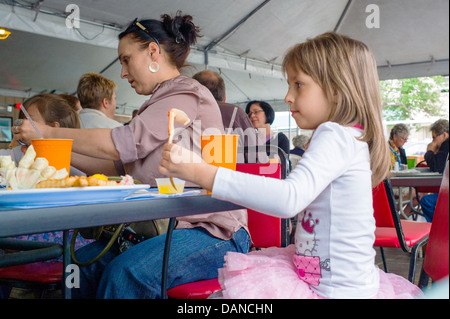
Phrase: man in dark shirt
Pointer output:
(240, 123)
(436, 158)
(437, 150)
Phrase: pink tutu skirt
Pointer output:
(270, 274)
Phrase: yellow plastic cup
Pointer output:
(165, 186)
(58, 152)
(220, 150)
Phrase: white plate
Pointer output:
(44, 197)
(414, 172)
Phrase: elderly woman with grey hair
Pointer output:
(398, 138)
(300, 143)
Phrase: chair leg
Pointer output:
(423, 280)
(384, 259)
(413, 261)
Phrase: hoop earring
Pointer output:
(153, 67)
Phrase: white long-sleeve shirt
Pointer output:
(331, 191)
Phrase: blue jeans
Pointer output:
(428, 203)
(136, 273)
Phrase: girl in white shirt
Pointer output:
(334, 90)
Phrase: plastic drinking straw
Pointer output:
(31, 121)
(230, 127)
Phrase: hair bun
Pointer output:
(181, 28)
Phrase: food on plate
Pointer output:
(180, 117)
(30, 170)
(35, 172)
(83, 181)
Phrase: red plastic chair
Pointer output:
(25, 268)
(436, 262)
(392, 232)
(265, 231)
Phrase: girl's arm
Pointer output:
(182, 163)
(280, 198)
(96, 142)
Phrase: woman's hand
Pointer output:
(25, 131)
(185, 164)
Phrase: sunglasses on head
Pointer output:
(140, 26)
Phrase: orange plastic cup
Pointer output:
(220, 150)
(58, 152)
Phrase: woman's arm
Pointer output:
(96, 143)
(91, 166)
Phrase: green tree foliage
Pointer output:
(408, 98)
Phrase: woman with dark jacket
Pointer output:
(262, 115)
(437, 150)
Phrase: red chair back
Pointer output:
(436, 263)
(381, 207)
(265, 230)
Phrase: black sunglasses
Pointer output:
(140, 26)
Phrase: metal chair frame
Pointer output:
(396, 223)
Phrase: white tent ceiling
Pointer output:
(244, 40)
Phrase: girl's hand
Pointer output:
(182, 163)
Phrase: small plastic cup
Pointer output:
(58, 152)
(411, 162)
(166, 187)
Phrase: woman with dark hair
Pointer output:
(151, 53)
(262, 115)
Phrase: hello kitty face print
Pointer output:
(308, 266)
(305, 237)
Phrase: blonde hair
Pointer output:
(347, 72)
(93, 88)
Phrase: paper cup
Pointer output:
(57, 151)
(220, 150)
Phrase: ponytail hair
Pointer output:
(176, 34)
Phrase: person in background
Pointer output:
(262, 115)
(436, 158)
(151, 53)
(437, 150)
(330, 189)
(133, 115)
(300, 144)
(47, 109)
(73, 101)
(53, 111)
(98, 99)
(241, 124)
(397, 138)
